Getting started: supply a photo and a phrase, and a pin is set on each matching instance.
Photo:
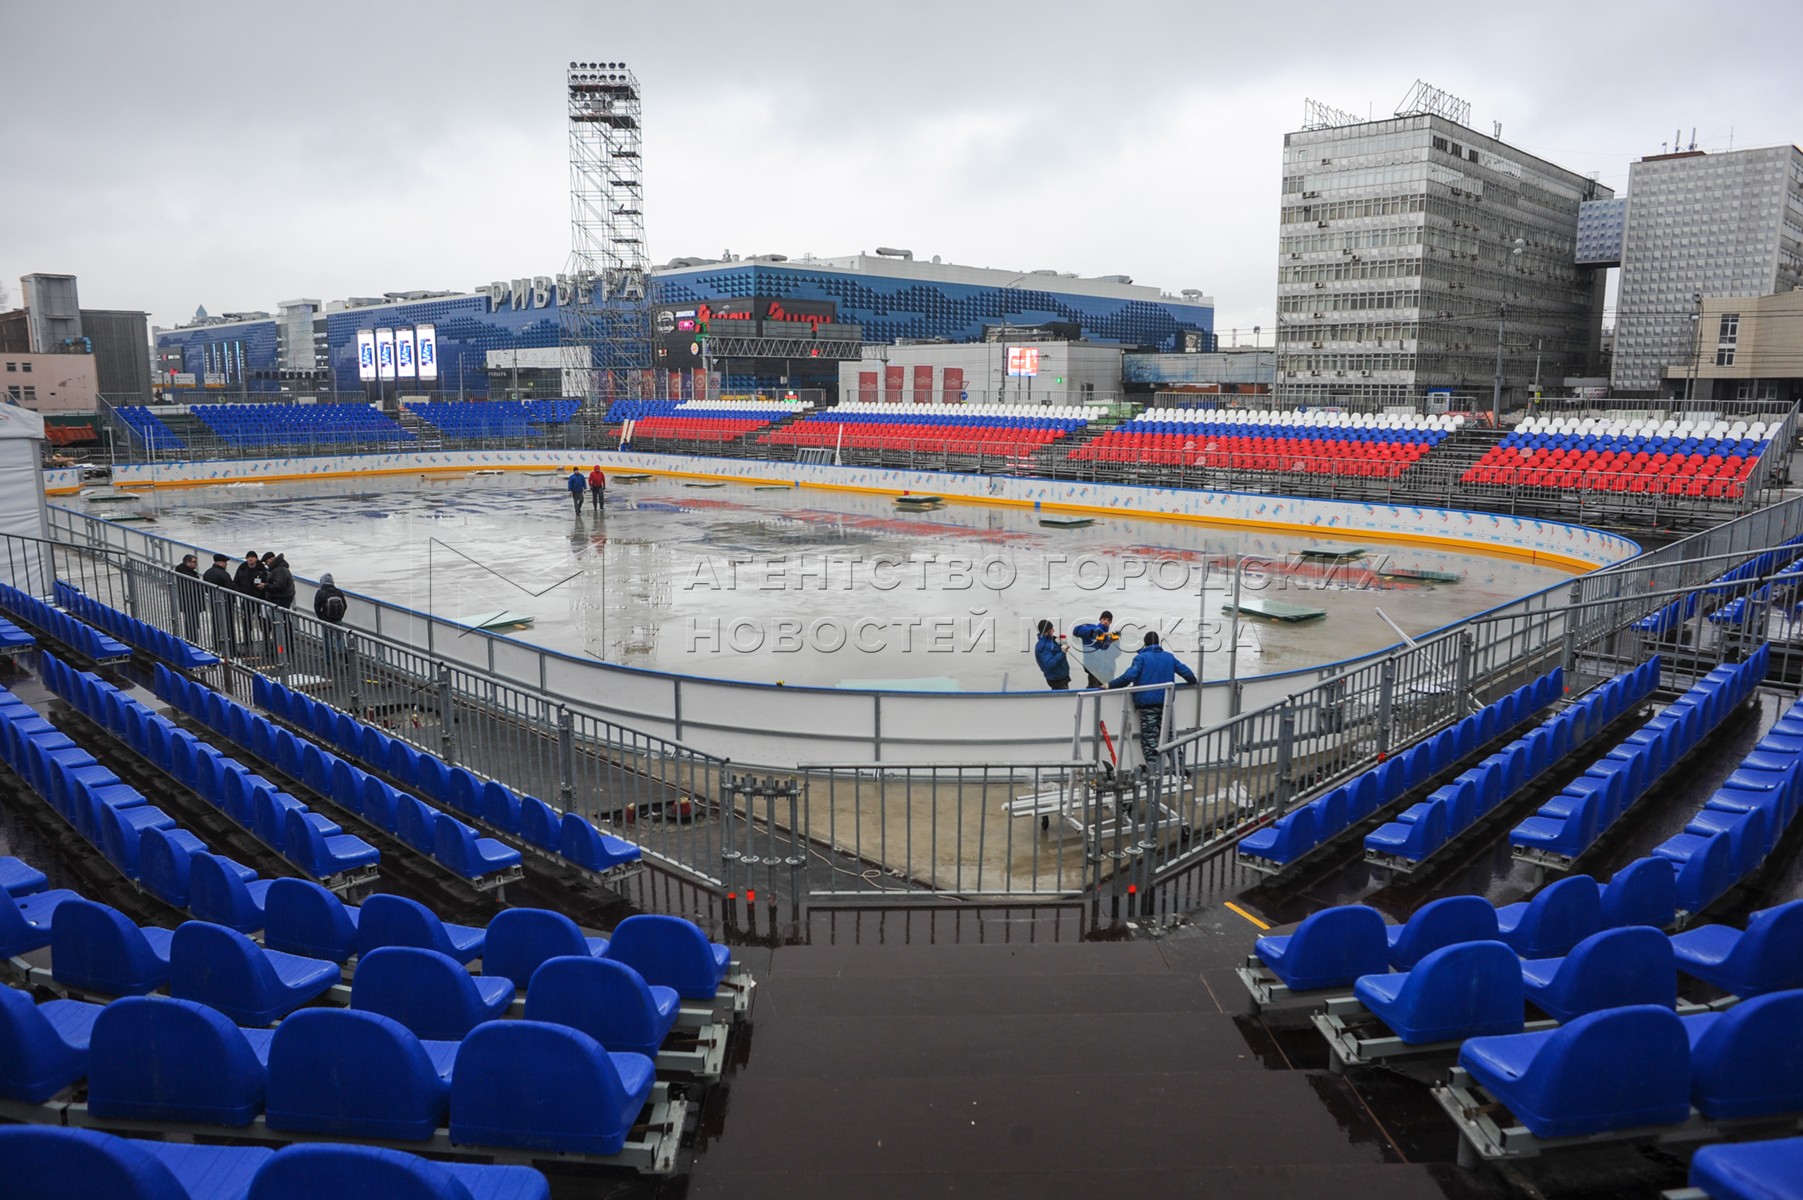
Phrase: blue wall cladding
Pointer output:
(892, 309)
(230, 350)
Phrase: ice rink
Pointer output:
(823, 588)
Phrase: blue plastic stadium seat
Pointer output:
(357, 1074)
(1766, 1170)
(1362, 795)
(164, 859)
(1617, 1069)
(50, 1162)
(26, 922)
(121, 830)
(432, 780)
(153, 1058)
(219, 893)
(428, 992)
(18, 878)
(224, 969)
(416, 823)
(458, 847)
(1705, 870)
(540, 824)
(311, 1171)
(348, 785)
(586, 846)
(1749, 836)
(303, 918)
(540, 1086)
(43, 1047)
(1549, 925)
(1645, 892)
(1766, 957)
(402, 762)
(388, 920)
(1416, 838)
(1748, 1061)
(1284, 841)
(1566, 826)
(672, 952)
(521, 939)
(607, 1000)
(94, 948)
(319, 854)
(1332, 814)
(1470, 989)
(1610, 969)
(382, 805)
(1438, 924)
(500, 807)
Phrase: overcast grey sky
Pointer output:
(236, 154)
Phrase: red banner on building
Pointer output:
(923, 385)
(867, 387)
(954, 384)
(892, 384)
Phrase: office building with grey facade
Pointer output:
(1700, 227)
(1405, 243)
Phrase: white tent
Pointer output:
(22, 511)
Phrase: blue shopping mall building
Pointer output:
(794, 319)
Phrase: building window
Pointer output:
(25, 367)
(1724, 357)
(31, 394)
(12, 366)
(1730, 330)
(12, 393)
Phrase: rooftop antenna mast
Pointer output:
(604, 301)
(1424, 99)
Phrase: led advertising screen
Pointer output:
(384, 354)
(1023, 360)
(366, 354)
(403, 353)
(426, 350)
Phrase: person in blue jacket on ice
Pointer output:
(1153, 665)
(577, 485)
(1049, 652)
(1101, 648)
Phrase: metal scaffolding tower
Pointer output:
(604, 299)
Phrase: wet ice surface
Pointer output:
(821, 588)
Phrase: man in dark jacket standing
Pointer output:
(221, 580)
(329, 605)
(1048, 651)
(248, 580)
(278, 589)
(577, 485)
(188, 596)
(1151, 667)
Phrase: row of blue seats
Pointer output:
(1311, 825)
(308, 840)
(141, 634)
(1478, 987)
(284, 424)
(1634, 443)
(13, 638)
(1570, 823)
(509, 1083)
(1667, 619)
(108, 813)
(1761, 1170)
(1338, 946)
(79, 636)
(495, 416)
(150, 428)
(1740, 824)
(1425, 828)
(1309, 433)
(453, 844)
(567, 835)
(1760, 564)
(1780, 591)
(44, 1162)
(1643, 1065)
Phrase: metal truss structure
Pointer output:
(1316, 115)
(605, 327)
(1424, 99)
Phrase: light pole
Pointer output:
(1696, 339)
(1496, 388)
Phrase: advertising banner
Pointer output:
(1023, 361)
(384, 354)
(426, 350)
(403, 353)
(366, 354)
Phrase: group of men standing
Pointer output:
(1152, 669)
(259, 577)
(594, 483)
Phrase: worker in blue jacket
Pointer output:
(1049, 652)
(1101, 648)
(577, 485)
(1152, 666)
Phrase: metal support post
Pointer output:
(447, 737)
(566, 757)
(1386, 706)
(1286, 736)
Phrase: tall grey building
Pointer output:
(1709, 225)
(1403, 240)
